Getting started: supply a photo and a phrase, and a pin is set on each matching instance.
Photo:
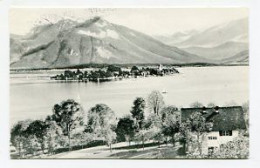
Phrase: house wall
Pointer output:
(126, 69)
(206, 143)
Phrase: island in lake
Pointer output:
(112, 72)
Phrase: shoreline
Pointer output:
(124, 65)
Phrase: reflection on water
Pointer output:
(34, 96)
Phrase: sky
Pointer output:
(152, 21)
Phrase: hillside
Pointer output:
(176, 38)
(219, 52)
(69, 43)
(240, 58)
(215, 43)
(235, 31)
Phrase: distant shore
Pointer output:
(85, 66)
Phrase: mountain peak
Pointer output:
(69, 43)
(97, 20)
(66, 22)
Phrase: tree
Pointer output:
(199, 125)
(110, 136)
(18, 135)
(83, 138)
(68, 115)
(171, 120)
(154, 127)
(112, 68)
(31, 145)
(126, 129)
(168, 110)
(78, 72)
(238, 148)
(68, 74)
(54, 136)
(85, 74)
(134, 69)
(102, 123)
(245, 107)
(38, 129)
(138, 111)
(185, 134)
(153, 120)
(155, 102)
(143, 135)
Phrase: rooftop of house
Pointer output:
(224, 118)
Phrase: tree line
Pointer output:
(71, 126)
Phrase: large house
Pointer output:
(227, 122)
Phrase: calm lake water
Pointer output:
(32, 96)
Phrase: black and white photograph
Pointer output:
(129, 83)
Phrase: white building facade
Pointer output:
(212, 141)
(227, 123)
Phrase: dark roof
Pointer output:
(227, 118)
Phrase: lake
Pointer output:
(33, 95)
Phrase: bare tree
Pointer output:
(155, 102)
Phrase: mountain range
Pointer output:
(69, 43)
(219, 43)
